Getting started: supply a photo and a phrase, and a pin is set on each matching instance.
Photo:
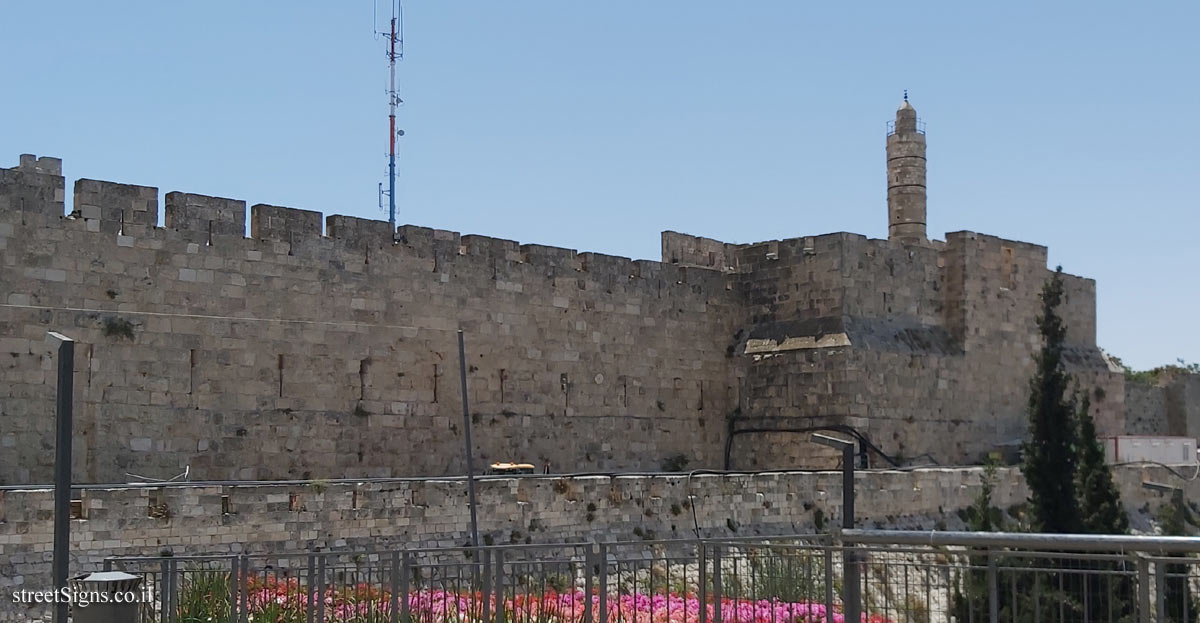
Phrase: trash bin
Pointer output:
(103, 605)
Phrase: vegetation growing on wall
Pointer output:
(1149, 376)
(118, 328)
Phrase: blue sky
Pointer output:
(597, 125)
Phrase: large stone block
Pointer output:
(36, 186)
(280, 224)
(111, 208)
(201, 218)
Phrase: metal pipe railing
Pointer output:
(907, 576)
(1026, 541)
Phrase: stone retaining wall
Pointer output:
(290, 517)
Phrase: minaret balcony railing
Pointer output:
(891, 127)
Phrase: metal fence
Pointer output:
(906, 577)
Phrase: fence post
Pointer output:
(486, 560)
(602, 558)
(1143, 569)
(589, 557)
(1037, 598)
(828, 583)
(164, 590)
(173, 600)
(993, 589)
(245, 588)
(321, 588)
(310, 585)
(235, 583)
(406, 567)
(394, 586)
(702, 555)
(1160, 587)
(498, 587)
(716, 558)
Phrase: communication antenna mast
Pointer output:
(395, 51)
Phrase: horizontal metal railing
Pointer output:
(1023, 540)
(891, 127)
(906, 577)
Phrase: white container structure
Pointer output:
(1139, 448)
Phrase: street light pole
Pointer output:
(852, 586)
(466, 409)
(60, 565)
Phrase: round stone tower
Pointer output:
(906, 177)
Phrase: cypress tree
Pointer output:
(1049, 463)
(1100, 507)
(1101, 512)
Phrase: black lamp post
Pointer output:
(61, 561)
(852, 587)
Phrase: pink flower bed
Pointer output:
(285, 601)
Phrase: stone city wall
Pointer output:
(293, 354)
(1145, 402)
(327, 347)
(926, 350)
(424, 513)
(1167, 403)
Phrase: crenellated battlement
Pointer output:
(34, 186)
(290, 225)
(131, 211)
(314, 344)
(198, 218)
(835, 274)
(114, 208)
(47, 165)
(199, 338)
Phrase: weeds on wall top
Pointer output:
(1148, 376)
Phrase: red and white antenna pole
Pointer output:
(395, 51)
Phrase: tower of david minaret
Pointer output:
(906, 177)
